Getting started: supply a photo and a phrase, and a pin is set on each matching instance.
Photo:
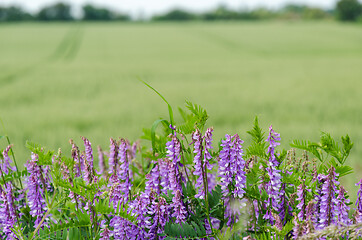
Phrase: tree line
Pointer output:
(345, 10)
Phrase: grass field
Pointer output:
(62, 81)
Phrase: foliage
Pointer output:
(93, 13)
(348, 10)
(14, 13)
(56, 12)
(129, 194)
(175, 15)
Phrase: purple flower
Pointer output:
(302, 197)
(285, 206)
(88, 151)
(239, 165)
(105, 234)
(179, 210)
(164, 166)
(310, 217)
(159, 216)
(116, 194)
(113, 156)
(76, 158)
(359, 202)
(328, 201)
(123, 172)
(8, 217)
(88, 171)
(5, 166)
(273, 188)
(153, 182)
(101, 163)
(174, 155)
(231, 166)
(273, 139)
(342, 207)
(198, 161)
(208, 142)
(124, 229)
(35, 199)
(140, 207)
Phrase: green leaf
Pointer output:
(344, 170)
(347, 146)
(153, 133)
(258, 145)
(170, 112)
(45, 158)
(13, 175)
(215, 196)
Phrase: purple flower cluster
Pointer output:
(179, 210)
(273, 139)
(198, 161)
(302, 198)
(328, 202)
(35, 190)
(231, 167)
(273, 188)
(159, 190)
(5, 166)
(174, 156)
(159, 213)
(359, 203)
(113, 154)
(342, 207)
(8, 217)
(124, 172)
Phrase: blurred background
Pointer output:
(70, 69)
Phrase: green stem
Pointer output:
(12, 152)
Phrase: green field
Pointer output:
(62, 81)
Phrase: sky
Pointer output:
(147, 8)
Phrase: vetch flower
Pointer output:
(231, 166)
(5, 166)
(174, 155)
(198, 161)
(328, 204)
(159, 217)
(208, 147)
(359, 203)
(302, 198)
(201, 160)
(116, 194)
(113, 156)
(164, 164)
(123, 229)
(101, 163)
(342, 207)
(273, 139)
(8, 213)
(123, 172)
(88, 151)
(77, 160)
(273, 188)
(310, 218)
(179, 210)
(35, 199)
(153, 182)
